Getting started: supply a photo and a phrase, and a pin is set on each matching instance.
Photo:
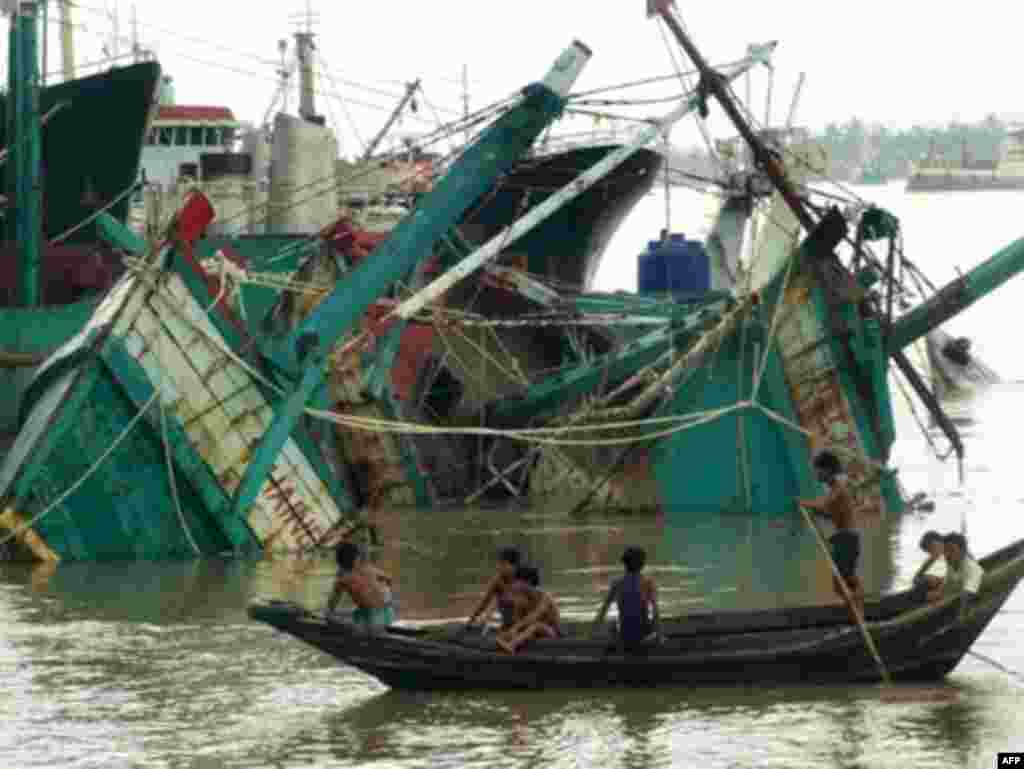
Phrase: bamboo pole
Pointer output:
(868, 641)
(10, 359)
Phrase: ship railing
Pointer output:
(100, 65)
(552, 145)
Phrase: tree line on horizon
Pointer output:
(856, 146)
(858, 149)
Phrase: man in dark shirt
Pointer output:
(636, 597)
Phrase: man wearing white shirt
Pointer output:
(931, 576)
(964, 573)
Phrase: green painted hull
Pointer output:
(751, 459)
(748, 461)
(108, 114)
(91, 146)
(136, 432)
(125, 508)
(566, 248)
(27, 336)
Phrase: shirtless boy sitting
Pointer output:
(536, 614)
(368, 586)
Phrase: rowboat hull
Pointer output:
(808, 645)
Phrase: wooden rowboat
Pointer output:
(795, 645)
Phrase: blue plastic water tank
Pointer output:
(686, 266)
(674, 265)
(651, 275)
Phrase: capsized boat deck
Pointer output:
(98, 473)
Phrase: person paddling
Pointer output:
(837, 505)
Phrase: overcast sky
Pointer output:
(896, 62)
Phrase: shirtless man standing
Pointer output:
(837, 505)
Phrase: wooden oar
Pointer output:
(868, 640)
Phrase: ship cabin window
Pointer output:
(166, 136)
(212, 137)
(181, 136)
(196, 136)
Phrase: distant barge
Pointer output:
(935, 174)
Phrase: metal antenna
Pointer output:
(283, 74)
(136, 51)
(304, 48)
(796, 100)
(116, 18)
(67, 41)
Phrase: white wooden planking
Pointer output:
(223, 413)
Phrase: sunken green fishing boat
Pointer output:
(717, 407)
(719, 404)
(163, 429)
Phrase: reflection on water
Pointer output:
(157, 665)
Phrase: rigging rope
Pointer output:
(773, 327)
(558, 435)
(172, 479)
(761, 364)
(550, 435)
(997, 665)
(161, 334)
(920, 425)
(94, 215)
(701, 124)
(539, 435)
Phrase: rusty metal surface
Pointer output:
(820, 402)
